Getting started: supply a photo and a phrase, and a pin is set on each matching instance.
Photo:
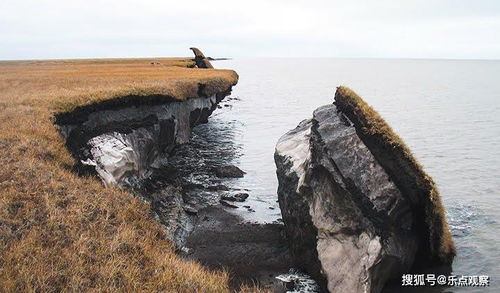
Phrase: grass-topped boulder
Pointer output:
(436, 246)
(358, 208)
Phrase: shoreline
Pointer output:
(73, 228)
(135, 135)
(129, 142)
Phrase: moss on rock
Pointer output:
(436, 246)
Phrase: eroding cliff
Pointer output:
(358, 209)
(122, 143)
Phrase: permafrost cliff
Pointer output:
(123, 143)
(358, 210)
(124, 138)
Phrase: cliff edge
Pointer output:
(63, 232)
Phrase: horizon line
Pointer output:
(255, 57)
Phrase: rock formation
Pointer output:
(229, 171)
(358, 209)
(200, 59)
(127, 142)
(122, 143)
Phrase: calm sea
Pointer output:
(447, 111)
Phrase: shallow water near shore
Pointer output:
(447, 111)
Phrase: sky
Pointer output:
(453, 29)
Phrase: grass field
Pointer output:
(62, 232)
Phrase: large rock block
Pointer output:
(358, 208)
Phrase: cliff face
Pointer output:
(122, 143)
(353, 222)
(75, 230)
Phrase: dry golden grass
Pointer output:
(62, 232)
(384, 140)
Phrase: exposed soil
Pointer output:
(253, 253)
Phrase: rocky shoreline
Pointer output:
(129, 144)
(142, 147)
(78, 234)
(358, 211)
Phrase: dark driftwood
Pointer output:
(200, 59)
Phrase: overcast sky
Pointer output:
(263, 28)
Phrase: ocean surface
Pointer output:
(447, 111)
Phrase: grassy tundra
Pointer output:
(62, 232)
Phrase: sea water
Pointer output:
(447, 111)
